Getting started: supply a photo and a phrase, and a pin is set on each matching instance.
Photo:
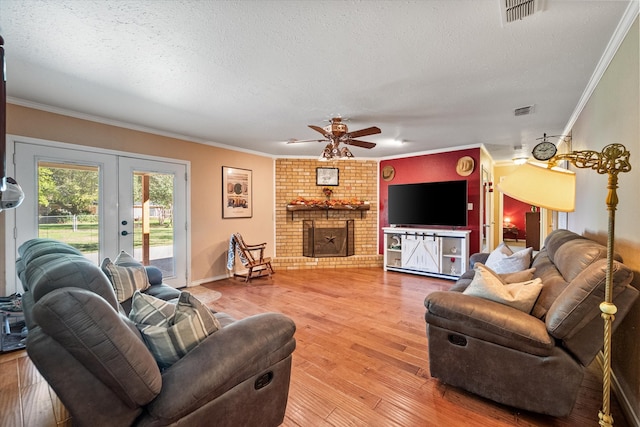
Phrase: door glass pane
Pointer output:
(153, 239)
(68, 200)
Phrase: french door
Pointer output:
(152, 222)
(103, 203)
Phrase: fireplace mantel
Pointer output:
(327, 208)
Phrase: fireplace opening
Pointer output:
(318, 242)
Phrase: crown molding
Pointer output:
(616, 40)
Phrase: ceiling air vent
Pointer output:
(523, 111)
(515, 10)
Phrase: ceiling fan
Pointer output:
(337, 132)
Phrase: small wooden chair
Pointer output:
(253, 259)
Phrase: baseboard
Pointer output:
(633, 419)
(207, 280)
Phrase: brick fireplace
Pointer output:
(297, 178)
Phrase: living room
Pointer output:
(609, 114)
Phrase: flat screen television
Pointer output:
(428, 203)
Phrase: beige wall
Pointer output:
(210, 233)
(612, 115)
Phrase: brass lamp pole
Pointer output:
(613, 159)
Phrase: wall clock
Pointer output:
(544, 150)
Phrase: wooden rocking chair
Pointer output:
(252, 258)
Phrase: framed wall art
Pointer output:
(327, 176)
(237, 193)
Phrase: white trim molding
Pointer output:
(610, 51)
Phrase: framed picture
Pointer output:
(327, 176)
(236, 193)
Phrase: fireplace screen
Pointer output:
(318, 242)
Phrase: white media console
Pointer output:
(430, 252)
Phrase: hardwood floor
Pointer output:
(361, 357)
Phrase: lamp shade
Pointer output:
(549, 188)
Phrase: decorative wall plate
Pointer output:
(388, 172)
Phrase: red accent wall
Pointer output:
(516, 211)
(435, 168)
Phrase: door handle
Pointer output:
(124, 232)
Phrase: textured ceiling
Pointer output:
(253, 74)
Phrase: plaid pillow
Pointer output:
(126, 275)
(149, 310)
(171, 338)
(126, 260)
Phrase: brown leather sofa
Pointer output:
(530, 361)
(95, 359)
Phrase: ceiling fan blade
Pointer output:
(319, 129)
(364, 132)
(294, 141)
(363, 144)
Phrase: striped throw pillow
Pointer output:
(149, 310)
(125, 279)
(171, 338)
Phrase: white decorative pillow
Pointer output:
(501, 251)
(515, 277)
(171, 338)
(503, 260)
(518, 276)
(125, 279)
(488, 285)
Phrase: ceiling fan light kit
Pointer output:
(332, 152)
(337, 132)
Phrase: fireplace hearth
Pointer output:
(325, 241)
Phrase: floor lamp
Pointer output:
(554, 189)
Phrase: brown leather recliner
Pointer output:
(95, 359)
(530, 361)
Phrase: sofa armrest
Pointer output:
(488, 321)
(154, 274)
(226, 358)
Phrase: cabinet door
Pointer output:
(453, 256)
(392, 250)
(421, 253)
